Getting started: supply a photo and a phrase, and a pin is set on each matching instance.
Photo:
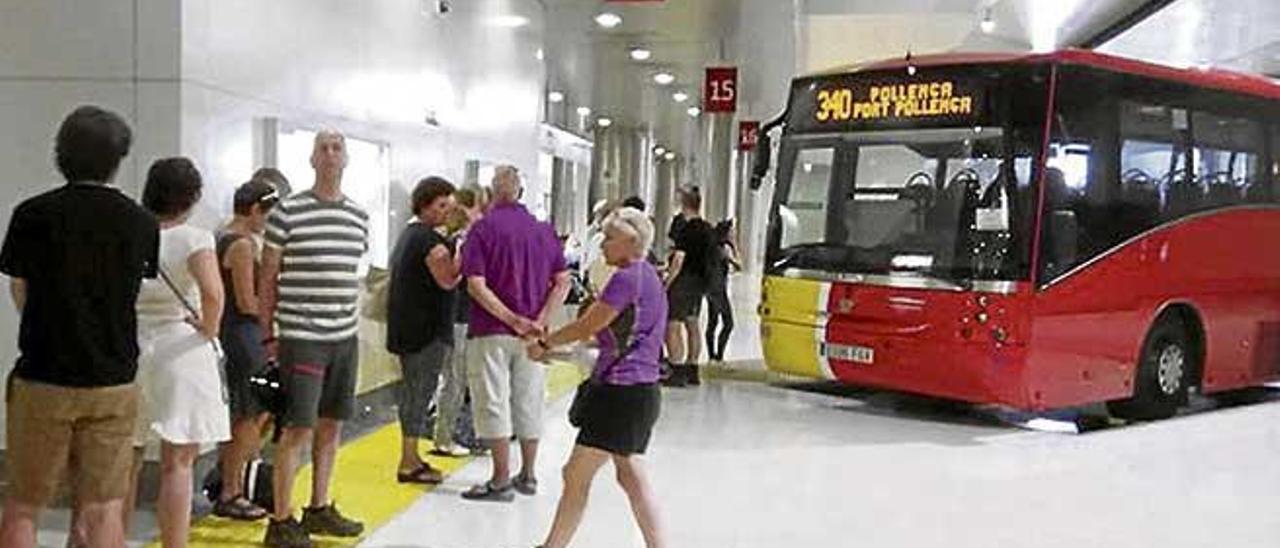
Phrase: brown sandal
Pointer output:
(424, 473)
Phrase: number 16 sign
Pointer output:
(721, 89)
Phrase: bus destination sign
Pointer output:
(886, 103)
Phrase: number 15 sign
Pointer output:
(721, 93)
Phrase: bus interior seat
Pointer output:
(1256, 192)
(1184, 195)
(1138, 208)
(1224, 194)
(874, 223)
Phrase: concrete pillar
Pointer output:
(619, 164)
(719, 140)
(663, 204)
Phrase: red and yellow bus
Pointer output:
(1035, 231)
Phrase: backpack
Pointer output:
(257, 484)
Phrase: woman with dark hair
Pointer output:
(238, 250)
(420, 304)
(617, 412)
(724, 256)
(179, 316)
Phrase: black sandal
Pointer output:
(239, 509)
(424, 474)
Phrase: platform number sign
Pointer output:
(748, 135)
(721, 92)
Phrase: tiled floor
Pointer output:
(748, 465)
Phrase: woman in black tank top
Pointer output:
(242, 340)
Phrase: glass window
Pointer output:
(803, 214)
(1227, 157)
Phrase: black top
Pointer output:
(419, 311)
(83, 250)
(697, 240)
(231, 314)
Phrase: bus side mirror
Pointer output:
(764, 149)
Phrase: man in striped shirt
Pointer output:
(315, 240)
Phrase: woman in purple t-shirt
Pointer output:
(628, 322)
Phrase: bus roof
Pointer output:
(1224, 80)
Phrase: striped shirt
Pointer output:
(321, 242)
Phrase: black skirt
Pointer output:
(620, 419)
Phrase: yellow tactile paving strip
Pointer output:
(364, 485)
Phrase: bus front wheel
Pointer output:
(1165, 370)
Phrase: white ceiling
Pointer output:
(1236, 34)
(591, 66)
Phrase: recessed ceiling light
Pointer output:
(584, 111)
(641, 54)
(659, 151)
(680, 96)
(694, 111)
(509, 21)
(664, 78)
(603, 122)
(669, 155)
(555, 97)
(988, 23)
(608, 20)
(538, 54)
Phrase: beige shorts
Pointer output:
(507, 388)
(53, 428)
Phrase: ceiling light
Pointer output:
(538, 54)
(988, 24)
(669, 155)
(680, 96)
(555, 97)
(584, 111)
(694, 111)
(509, 21)
(911, 70)
(603, 122)
(608, 20)
(659, 151)
(641, 54)
(664, 78)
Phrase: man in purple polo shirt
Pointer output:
(517, 278)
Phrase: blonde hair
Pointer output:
(632, 221)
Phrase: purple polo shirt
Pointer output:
(631, 345)
(518, 257)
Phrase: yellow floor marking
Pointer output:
(364, 485)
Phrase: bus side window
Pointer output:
(1228, 157)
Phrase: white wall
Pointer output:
(373, 72)
(58, 54)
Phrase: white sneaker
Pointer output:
(455, 451)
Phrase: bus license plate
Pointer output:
(853, 353)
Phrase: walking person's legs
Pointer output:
(578, 474)
(694, 336)
(635, 483)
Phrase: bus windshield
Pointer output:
(949, 203)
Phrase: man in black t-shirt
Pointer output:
(76, 257)
(420, 312)
(687, 280)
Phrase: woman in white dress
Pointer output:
(183, 400)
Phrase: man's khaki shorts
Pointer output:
(53, 428)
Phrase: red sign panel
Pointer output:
(748, 135)
(720, 93)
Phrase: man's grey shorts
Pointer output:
(319, 380)
(507, 388)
